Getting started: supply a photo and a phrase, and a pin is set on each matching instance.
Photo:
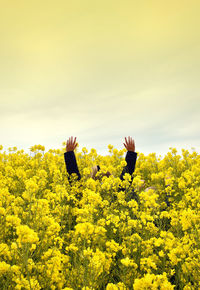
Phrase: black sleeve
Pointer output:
(131, 161)
(71, 165)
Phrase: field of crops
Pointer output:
(90, 234)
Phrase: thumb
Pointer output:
(125, 146)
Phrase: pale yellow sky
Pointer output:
(100, 70)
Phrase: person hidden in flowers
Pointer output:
(71, 164)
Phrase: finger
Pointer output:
(76, 145)
(132, 143)
(71, 139)
(74, 141)
(125, 140)
(125, 146)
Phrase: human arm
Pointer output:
(131, 157)
(70, 158)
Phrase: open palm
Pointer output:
(129, 144)
(71, 144)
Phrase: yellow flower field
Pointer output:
(91, 234)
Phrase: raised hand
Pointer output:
(71, 144)
(129, 144)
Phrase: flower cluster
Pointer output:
(139, 233)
